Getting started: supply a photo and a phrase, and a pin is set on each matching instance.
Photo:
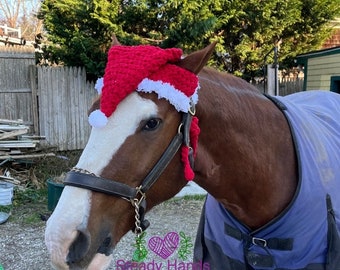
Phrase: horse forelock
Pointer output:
(95, 105)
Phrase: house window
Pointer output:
(335, 84)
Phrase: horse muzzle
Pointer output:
(67, 237)
(79, 254)
(80, 249)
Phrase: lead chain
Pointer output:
(79, 170)
(140, 252)
(138, 228)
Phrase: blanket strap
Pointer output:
(271, 243)
(256, 259)
(333, 255)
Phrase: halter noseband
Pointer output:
(137, 196)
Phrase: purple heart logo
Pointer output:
(164, 247)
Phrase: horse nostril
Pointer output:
(79, 247)
(106, 248)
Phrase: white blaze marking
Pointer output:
(70, 214)
(73, 209)
(104, 142)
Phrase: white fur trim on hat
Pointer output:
(99, 85)
(165, 90)
(98, 119)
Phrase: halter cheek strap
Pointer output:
(83, 179)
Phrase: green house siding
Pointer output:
(320, 67)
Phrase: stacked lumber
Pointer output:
(5, 176)
(15, 143)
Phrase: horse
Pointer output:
(249, 157)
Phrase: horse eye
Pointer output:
(152, 124)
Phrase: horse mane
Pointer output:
(226, 80)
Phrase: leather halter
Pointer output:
(83, 179)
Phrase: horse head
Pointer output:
(130, 164)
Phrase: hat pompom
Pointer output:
(194, 133)
(99, 85)
(188, 171)
(97, 119)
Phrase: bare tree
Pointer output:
(21, 13)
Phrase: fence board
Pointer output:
(35, 108)
(287, 86)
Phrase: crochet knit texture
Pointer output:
(127, 66)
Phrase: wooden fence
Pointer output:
(287, 86)
(52, 101)
(64, 98)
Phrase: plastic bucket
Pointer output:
(54, 191)
(6, 197)
(6, 193)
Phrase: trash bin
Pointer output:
(54, 191)
(6, 197)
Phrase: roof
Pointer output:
(301, 58)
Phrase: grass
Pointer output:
(29, 206)
(196, 197)
(55, 166)
(29, 195)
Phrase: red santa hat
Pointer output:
(144, 69)
(147, 69)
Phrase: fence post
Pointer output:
(272, 80)
(34, 85)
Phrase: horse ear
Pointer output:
(195, 61)
(115, 41)
(95, 105)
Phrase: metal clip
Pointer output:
(192, 108)
(141, 193)
(179, 130)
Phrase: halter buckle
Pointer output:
(140, 194)
(139, 205)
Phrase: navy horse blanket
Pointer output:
(305, 235)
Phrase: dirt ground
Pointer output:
(22, 242)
